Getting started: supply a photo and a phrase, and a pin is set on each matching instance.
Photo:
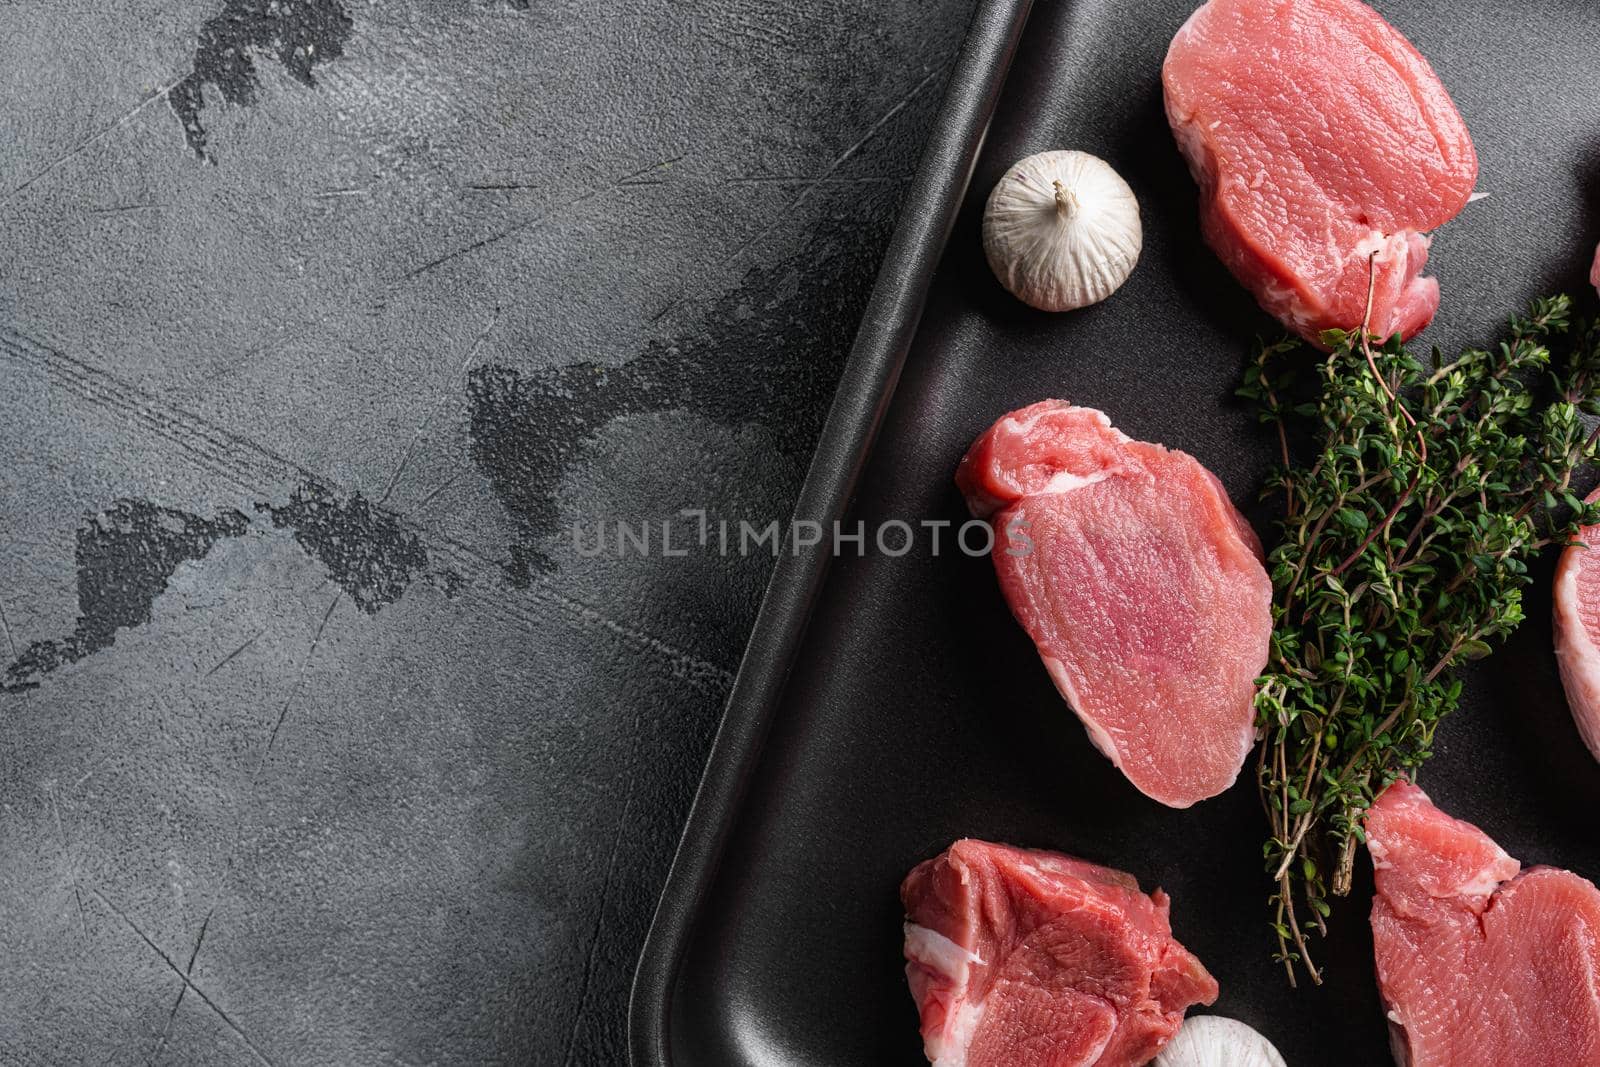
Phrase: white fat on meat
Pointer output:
(1137, 556)
(1097, 733)
(993, 991)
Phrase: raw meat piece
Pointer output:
(1318, 136)
(1143, 589)
(1019, 958)
(1479, 966)
(1577, 631)
(1594, 271)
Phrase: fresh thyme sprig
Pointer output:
(1404, 552)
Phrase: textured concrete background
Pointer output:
(320, 322)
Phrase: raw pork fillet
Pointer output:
(1142, 588)
(1577, 631)
(1318, 136)
(1479, 966)
(1034, 959)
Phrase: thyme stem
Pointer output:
(1404, 550)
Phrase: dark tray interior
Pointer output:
(918, 712)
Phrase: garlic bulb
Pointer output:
(1212, 1041)
(1061, 230)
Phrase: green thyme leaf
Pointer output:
(1403, 552)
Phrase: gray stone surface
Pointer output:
(321, 322)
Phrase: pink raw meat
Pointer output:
(1577, 631)
(1318, 136)
(1479, 966)
(1020, 958)
(1594, 271)
(1140, 584)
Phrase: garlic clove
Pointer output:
(1061, 230)
(1213, 1041)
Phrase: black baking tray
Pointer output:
(887, 706)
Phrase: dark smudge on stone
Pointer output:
(296, 33)
(766, 353)
(125, 555)
(366, 549)
(447, 580)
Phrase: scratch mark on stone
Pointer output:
(187, 981)
(66, 857)
(441, 487)
(512, 231)
(294, 691)
(638, 177)
(405, 457)
(529, 224)
(433, 409)
(205, 924)
(6, 626)
(651, 169)
(843, 157)
(225, 660)
(183, 988)
(89, 142)
(166, 1029)
(95, 766)
(600, 908)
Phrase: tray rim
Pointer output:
(866, 388)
